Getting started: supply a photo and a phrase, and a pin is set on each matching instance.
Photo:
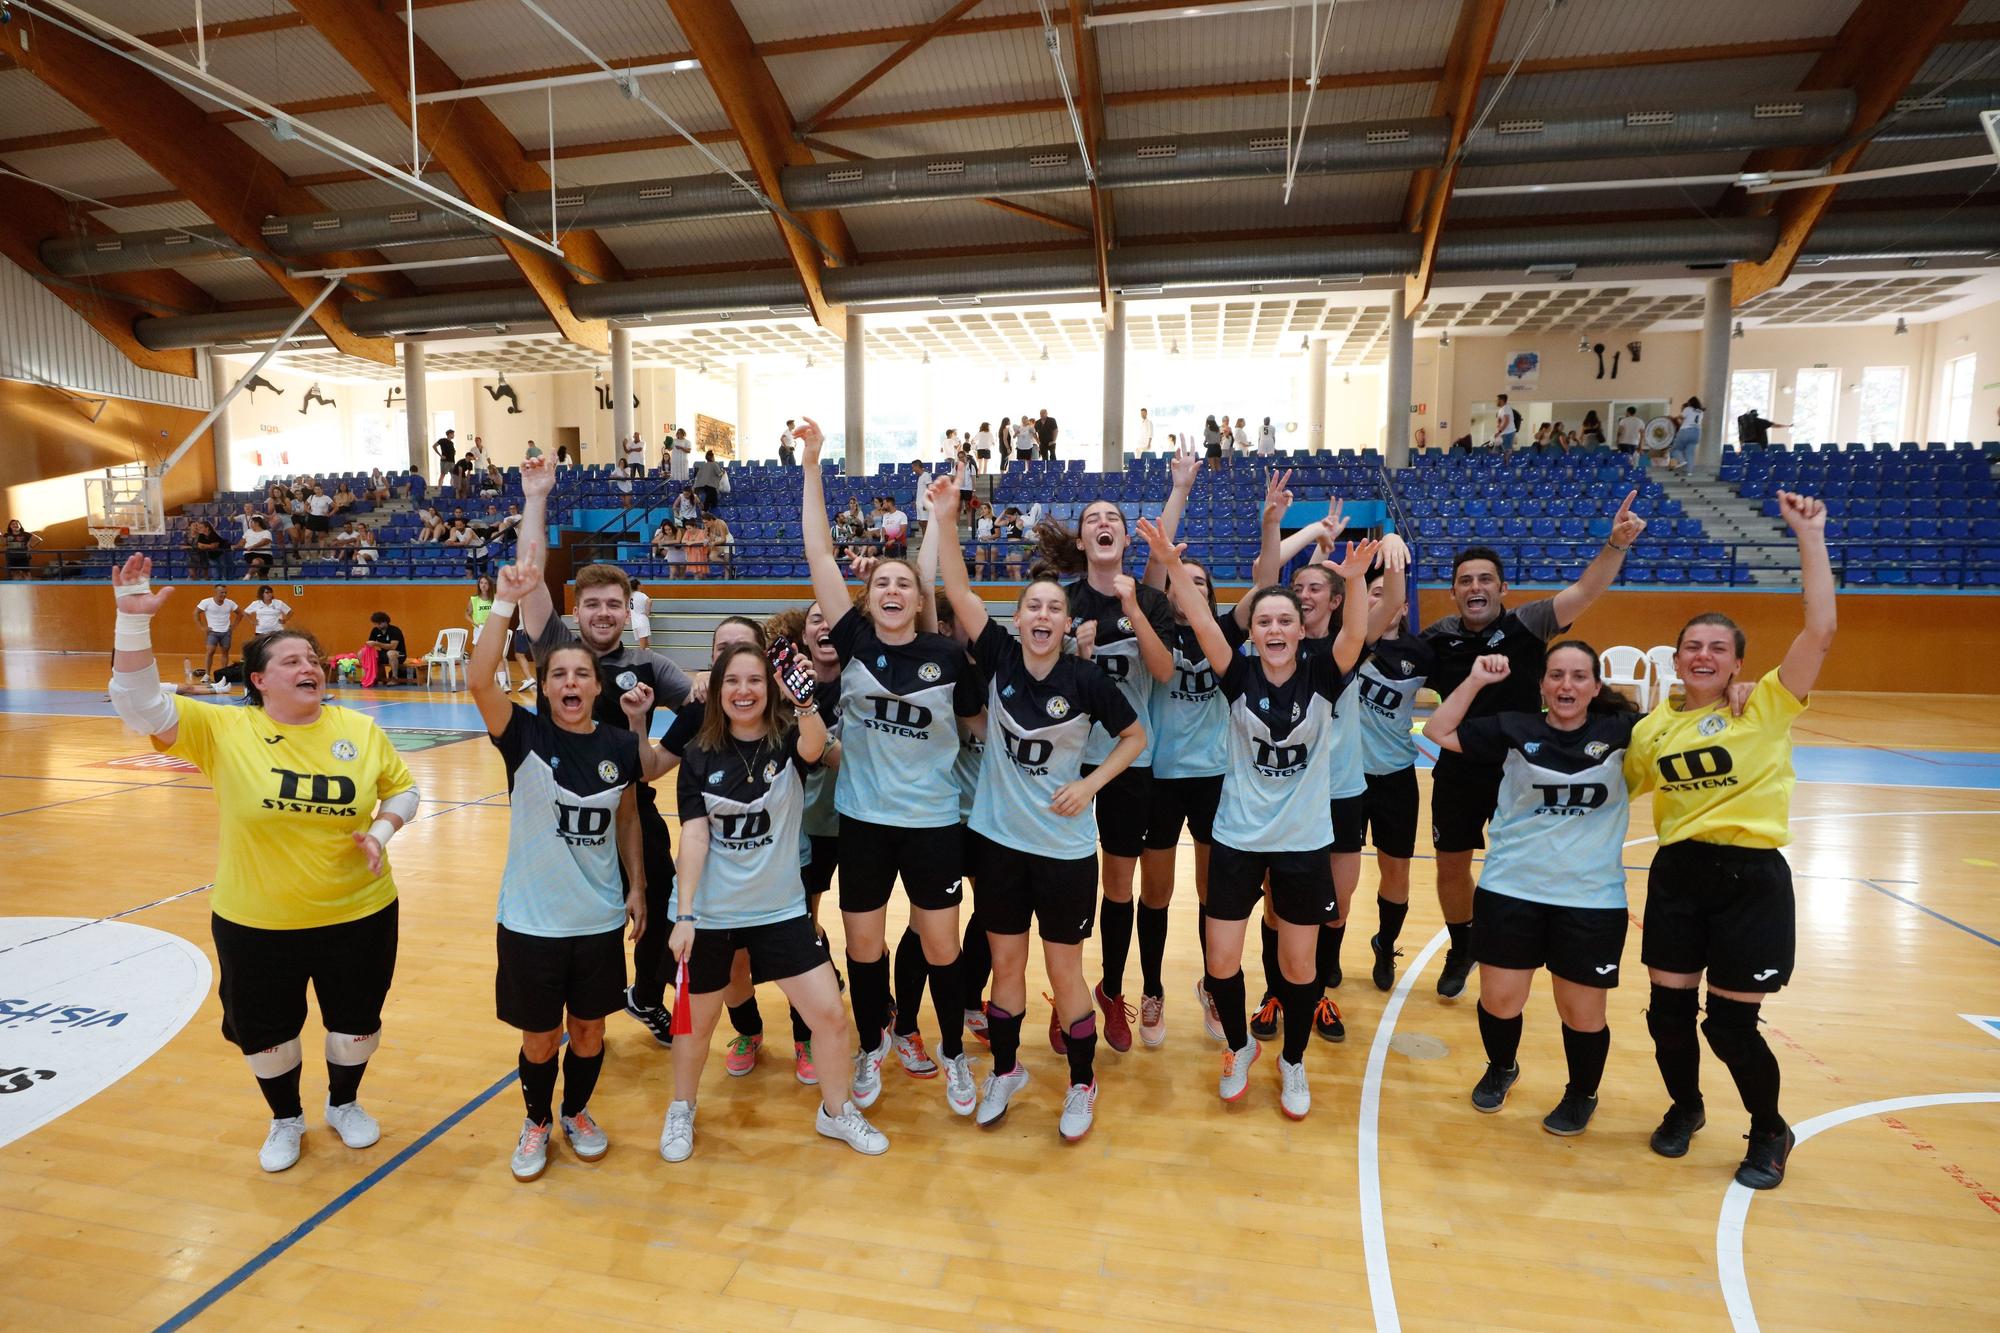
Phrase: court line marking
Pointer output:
(1374, 1241)
(74, 800)
(1927, 911)
(1987, 1023)
(1736, 1200)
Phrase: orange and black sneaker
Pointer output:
(1326, 1020)
(1264, 1023)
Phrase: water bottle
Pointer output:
(187, 668)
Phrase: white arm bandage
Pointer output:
(142, 703)
(403, 805)
(133, 632)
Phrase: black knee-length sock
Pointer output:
(1003, 1030)
(975, 963)
(1501, 1037)
(1392, 915)
(1201, 934)
(911, 972)
(1749, 1059)
(1114, 928)
(868, 984)
(746, 1018)
(801, 1030)
(950, 1001)
(1273, 978)
(343, 1082)
(579, 1079)
(281, 1093)
(1152, 949)
(1670, 1018)
(1080, 1043)
(1227, 992)
(1585, 1052)
(1327, 952)
(538, 1087)
(1301, 999)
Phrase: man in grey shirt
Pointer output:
(706, 480)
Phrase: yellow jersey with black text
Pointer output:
(292, 799)
(1717, 778)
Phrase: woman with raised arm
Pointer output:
(309, 796)
(1719, 894)
(742, 800)
(1394, 670)
(574, 822)
(1034, 840)
(1274, 818)
(1552, 891)
(902, 692)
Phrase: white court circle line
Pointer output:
(1374, 1242)
(1736, 1200)
(1860, 814)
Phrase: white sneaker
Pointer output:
(853, 1129)
(1236, 1070)
(1079, 1103)
(357, 1129)
(1152, 1019)
(867, 1087)
(961, 1094)
(1295, 1098)
(531, 1153)
(677, 1135)
(999, 1090)
(281, 1145)
(586, 1138)
(1211, 1021)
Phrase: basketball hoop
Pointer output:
(107, 538)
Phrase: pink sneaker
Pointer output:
(742, 1055)
(802, 1064)
(1152, 1019)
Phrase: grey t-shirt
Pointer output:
(618, 671)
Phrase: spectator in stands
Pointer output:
(1753, 427)
(257, 544)
(1026, 440)
(431, 526)
(1267, 438)
(687, 509)
(562, 456)
(1506, 424)
(921, 507)
(267, 614)
(477, 456)
(1142, 438)
(446, 448)
(1687, 436)
(721, 542)
(677, 468)
(533, 450)
(895, 529)
(493, 482)
(982, 447)
(1045, 435)
(461, 533)
(319, 516)
(479, 606)
(986, 541)
(379, 491)
(1541, 443)
(706, 480)
(1630, 432)
(206, 550)
(788, 454)
(640, 608)
(665, 537)
(507, 529)
(389, 645)
(243, 517)
(1211, 443)
(20, 541)
(635, 455)
(968, 468)
(217, 615)
(1004, 433)
(357, 543)
(694, 547)
(1593, 430)
(343, 498)
(461, 479)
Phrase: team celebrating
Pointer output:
(1038, 779)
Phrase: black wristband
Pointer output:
(688, 919)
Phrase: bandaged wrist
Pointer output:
(382, 830)
(503, 609)
(132, 632)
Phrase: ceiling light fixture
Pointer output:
(1444, 339)
(1738, 332)
(1902, 326)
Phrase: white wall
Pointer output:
(1976, 333)
(43, 341)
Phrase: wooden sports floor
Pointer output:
(1393, 1204)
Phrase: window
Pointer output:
(1815, 402)
(1749, 391)
(1882, 403)
(1958, 383)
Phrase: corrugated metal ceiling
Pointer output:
(28, 107)
(961, 222)
(1181, 53)
(708, 241)
(491, 38)
(997, 67)
(235, 280)
(1601, 28)
(156, 16)
(784, 20)
(1639, 196)
(600, 113)
(289, 65)
(1317, 201)
(94, 169)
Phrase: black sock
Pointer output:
(975, 963)
(1749, 1058)
(1114, 928)
(1080, 1043)
(1273, 978)
(1670, 1017)
(950, 1002)
(652, 965)
(1585, 1052)
(1152, 948)
(343, 1082)
(281, 1093)
(801, 1030)
(1328, 952)
(1003, 1030)
(1392, 915)
(579, 1079)
(1301, 999)
(1501, 1037)
(1201, 933)
(910, 971)
(1461, 939)
(746, 1018)
(1227, 992)
(538, 1087)
(869, 988)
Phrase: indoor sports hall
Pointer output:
(509, 503)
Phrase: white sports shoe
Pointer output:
(586, 1138)
(677, 1135)
(961, 1094)
(1211, 1021)
(1295, 1098)
(852, 1128)
(281, 1145)
(867, 1088)
(1236, 1070)
(999, 1090)
(531, 1153)
(357, 1129)
(1079, 1105)
(1152, 1019)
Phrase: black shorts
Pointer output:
(1350, 822)
(821, 862)
(1463, 797)
(520, 645)
(1123, 807)
(782, 949)
(1579, 944)
(318, 522)
(264, 975)
(1390, 806)
(542, 976)
(873, 855)
(1728, 911)
(1301, 884)
(1174, 801)
(1016, 886)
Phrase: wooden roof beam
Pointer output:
(1090, 106)
(1004, 205)
(1457, 98)
(888, 63)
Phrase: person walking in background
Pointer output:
(1267, 438)
(1144, 437)
(1506, 424)
(1753, 427)
(788, 454)
(446, 448)
(1045, 435)
(1631, 431)
(1687, 436)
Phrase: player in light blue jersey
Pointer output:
(1552, 891)
(1388, 682)
(1275, 814)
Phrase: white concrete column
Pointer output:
(621, 391)
(416, 408)
(1113, 459)
(1402, 330)
(743, 409)
(854, 363)
(219, 438)
(1316, 394)
(928, 432)
(1714, 373)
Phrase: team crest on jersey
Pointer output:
(626, 680)
(1264, 704)
(1295, 712)
(715, 778)
(344, 750)
(770, 772)
(1006, 691)
(1712, 725)
(1597, 749)
(1125, 623)
(881, 663)
(608, 771)
(1058, 707)
(1493, 639)
(1532, 747)
(929, 672)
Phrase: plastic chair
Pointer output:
(449, 653)
(1661, 656)
(1623, 664)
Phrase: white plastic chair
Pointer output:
(1664, 676)
(449, 653)
(1623, 664)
